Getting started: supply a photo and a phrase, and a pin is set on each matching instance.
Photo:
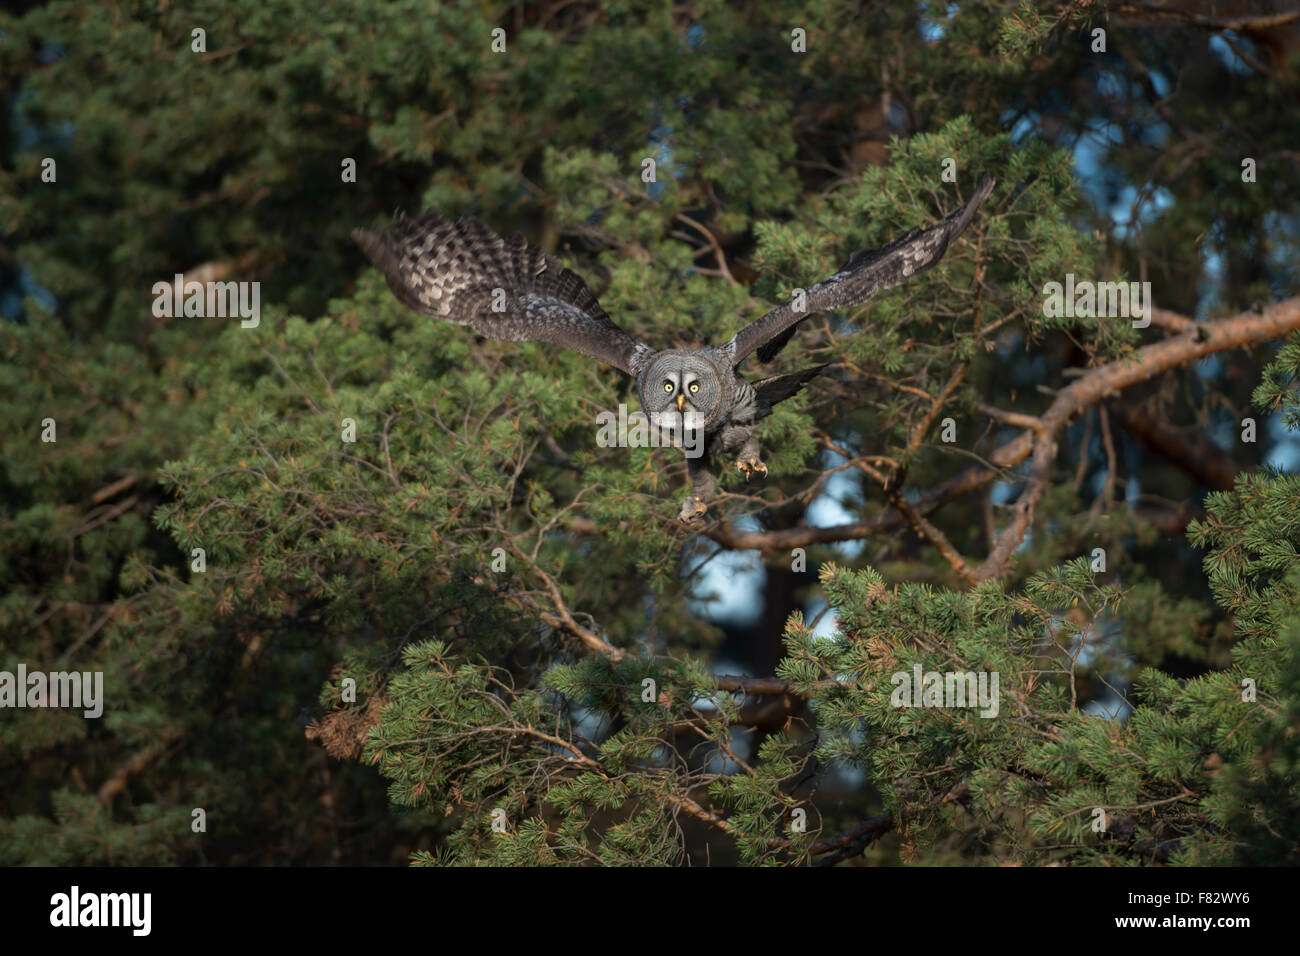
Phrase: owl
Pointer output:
(461, 271)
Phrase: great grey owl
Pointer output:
(465, 273)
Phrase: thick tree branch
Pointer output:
(1262, 21)
(1194, 454)
(133, 765)
(1198, 340)
(1247, 328)
(852, 842)
(760, 685)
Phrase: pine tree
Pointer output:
(353, 559)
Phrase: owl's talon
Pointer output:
(750, 467)
(692, 509)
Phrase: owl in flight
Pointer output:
(465, 273)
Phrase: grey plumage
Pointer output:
(453, 270)
(863, 274)
(465, 273)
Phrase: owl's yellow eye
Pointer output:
(695, 387)
(668, 386)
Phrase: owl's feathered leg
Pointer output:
(703, 481)
(739, 440)
(748, 460)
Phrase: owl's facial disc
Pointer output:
(671, 395)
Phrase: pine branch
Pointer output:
(1197, 341)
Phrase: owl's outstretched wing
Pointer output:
(864, 274)
(465, 273)
(777, 388)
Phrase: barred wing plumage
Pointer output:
(463, 272)
(864, 274)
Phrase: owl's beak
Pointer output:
(681, 401)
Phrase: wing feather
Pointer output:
(777, 388)
(865, 273)
(463, 272)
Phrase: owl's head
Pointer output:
(681, 387)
